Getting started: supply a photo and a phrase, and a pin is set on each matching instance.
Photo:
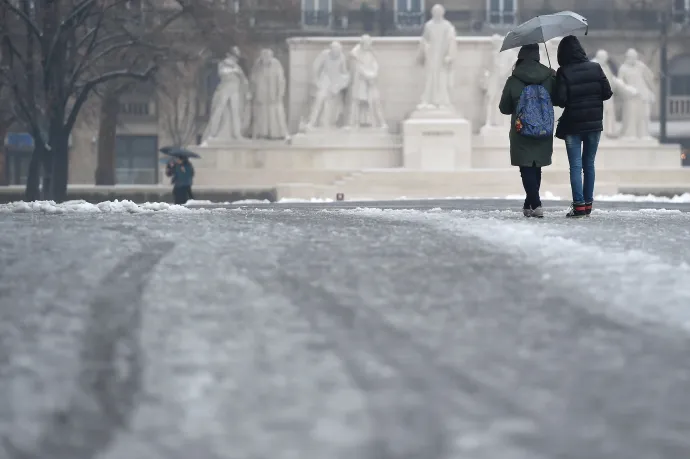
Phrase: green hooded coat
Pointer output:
(527, 151)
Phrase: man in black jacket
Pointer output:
(581, 89)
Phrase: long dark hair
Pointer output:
(518, 62)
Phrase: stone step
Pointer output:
(395, 183)
(371, 190)
(675, 175)
(263, 177)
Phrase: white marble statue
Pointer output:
(228, 118)
(619, 89)
(637, 103)
(365, 98)
(495, 77)
(438, 49)
(268, 96)
(330, 79)
(610, 123)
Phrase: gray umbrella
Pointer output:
(543, 28)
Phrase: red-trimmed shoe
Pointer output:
(588, 209)
(577, 210)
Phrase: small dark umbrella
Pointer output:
(179, 152)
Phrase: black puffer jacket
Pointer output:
(581, 88)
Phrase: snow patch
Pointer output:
(80, 206)
(678, 199)
(297, 200)
(638, 211)
(202, 202)
(251, 201)
(546, 196)
(639, 283)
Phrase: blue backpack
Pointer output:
(534, 112)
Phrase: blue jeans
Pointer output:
(582, 149)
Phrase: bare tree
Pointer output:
(178, 97)
(7, 119)
(208, 25)
(59, 53)
(167, 46)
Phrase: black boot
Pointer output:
(588, 208)
(577, 210)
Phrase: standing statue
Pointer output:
(494, 79)
(619, 88)
(331, 78)
(637, 103)
(365, 103)
(228, 119)
(268, 96)
(437, 52)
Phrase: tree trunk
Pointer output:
(3, 156)
(33, 180)
(59, 154)
(107, 130)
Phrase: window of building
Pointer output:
(681, 11)
(317, 13)
(139, 102)
(679, 76)
(501, 12)
(136, 108)
(18, 149)
(136, 159)
(409, 13)
(679, 87)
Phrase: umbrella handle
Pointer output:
(546, 48)
(587, 29)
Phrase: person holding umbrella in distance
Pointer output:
(181, 173)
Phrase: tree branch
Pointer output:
(33, 27)
(13, 51)
(64, 25)
(91, 84)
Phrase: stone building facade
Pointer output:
(615, 25)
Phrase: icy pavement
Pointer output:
(311, 332)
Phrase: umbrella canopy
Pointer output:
(543, 28)
(179, 152)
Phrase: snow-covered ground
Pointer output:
(131, 207)
(157, 332)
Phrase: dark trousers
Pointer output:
(182, 194)
(531, 182)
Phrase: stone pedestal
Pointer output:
(493, 136)
(347, 138)
(437, 141)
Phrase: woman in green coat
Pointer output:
(530, 154)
